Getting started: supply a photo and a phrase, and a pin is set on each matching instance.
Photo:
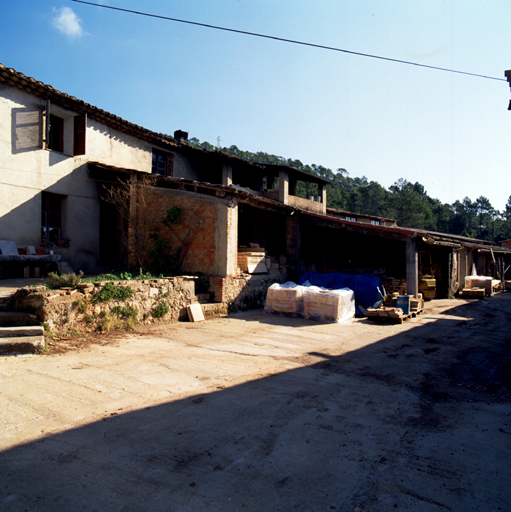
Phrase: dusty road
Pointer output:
(262, 413)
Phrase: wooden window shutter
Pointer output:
(170, 164)
(79, 134)
(46, 125)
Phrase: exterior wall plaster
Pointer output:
(27, 170)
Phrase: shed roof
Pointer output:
(430, 237)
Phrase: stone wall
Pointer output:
(241, 293)
(68, 310)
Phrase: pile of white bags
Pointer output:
(285, 299)
(311, 302)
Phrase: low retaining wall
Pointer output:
(80, 309)
(93, 307)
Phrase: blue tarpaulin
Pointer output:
(368, 289)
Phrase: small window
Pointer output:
(375, 222)
(51, 216)
(56, 134)
(64, 132)
(162, 163)
(354, 219)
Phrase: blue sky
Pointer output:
(374, 118)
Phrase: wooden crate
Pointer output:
(473, 293)
(252, 261)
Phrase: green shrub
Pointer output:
(64, 281)
(112, 292)
(163, 259)
(125, 312)
(160, 309)
(117, 318)
(121, 276)
(81, 305)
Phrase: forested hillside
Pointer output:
(407, 203)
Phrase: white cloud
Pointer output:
(67, 22)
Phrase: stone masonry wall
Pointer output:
(68, 310)
(246, 292)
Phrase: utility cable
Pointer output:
(293, 41)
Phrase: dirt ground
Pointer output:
(262, 413)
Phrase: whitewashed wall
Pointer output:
(26, 170)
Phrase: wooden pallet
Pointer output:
(391, 315)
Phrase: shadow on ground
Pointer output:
(419, 421)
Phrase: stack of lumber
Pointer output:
(391, 300)
(386, 314)
(252, 260)
(396, 286)
(416, 305)
(472, 293)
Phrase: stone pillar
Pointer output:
(412, 268)
(322, 193)
(293, 241)
(284, 187)
(226, 174)
(226, 238)
(217, 287)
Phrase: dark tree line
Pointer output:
(408, 203)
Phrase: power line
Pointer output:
(293, 41)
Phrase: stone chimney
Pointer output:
(180, 136)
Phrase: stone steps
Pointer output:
(16, 318)
(5, 299)
(22, 339)
(213, 308)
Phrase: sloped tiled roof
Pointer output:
(47, 92)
